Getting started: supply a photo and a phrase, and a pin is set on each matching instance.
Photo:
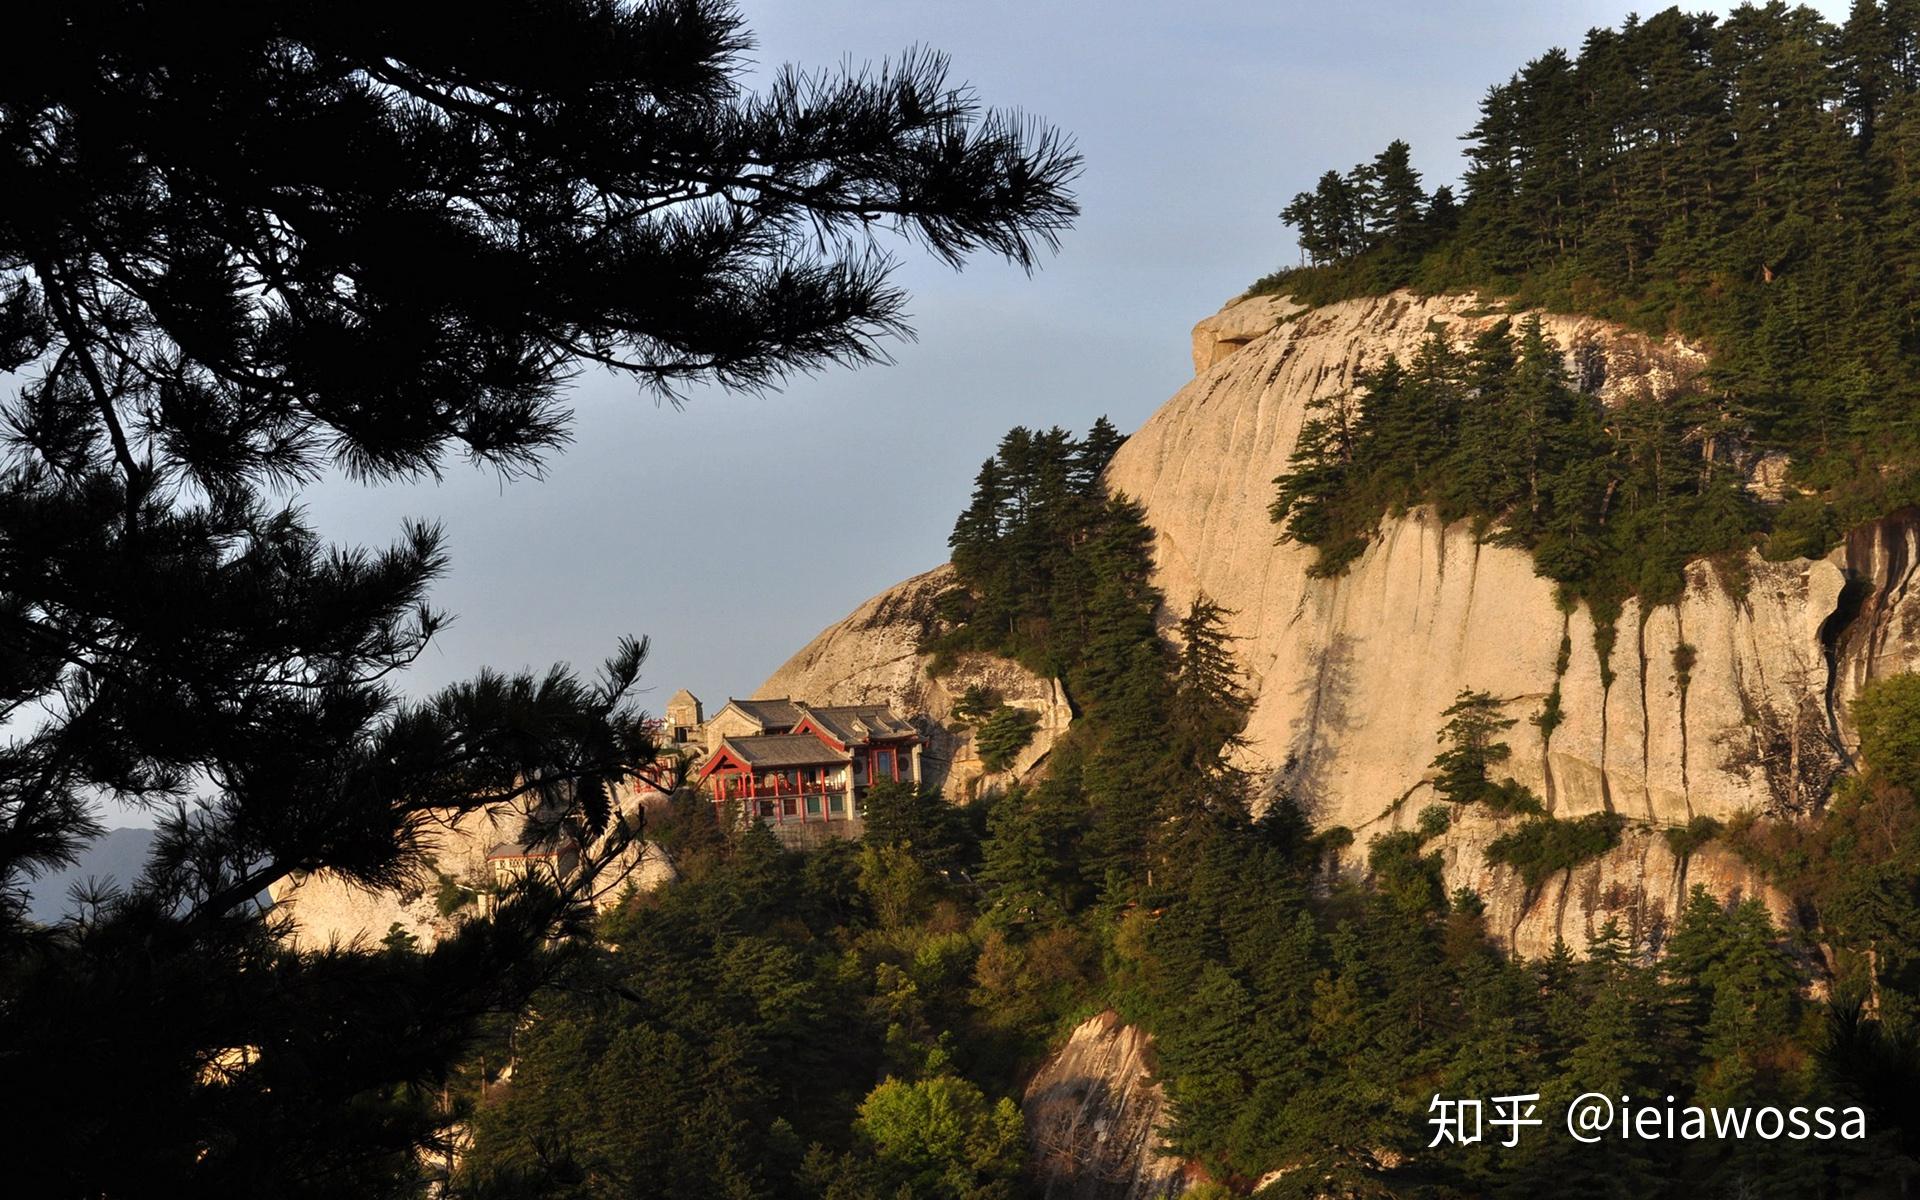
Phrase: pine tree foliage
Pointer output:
(1030, 544)
(243, 248)
(1746, 180)
(1004, 735)
(1471, 736)
(1611, 503)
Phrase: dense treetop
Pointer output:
(1752, 180)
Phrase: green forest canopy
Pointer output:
(1752, 182)
(1301, 1020)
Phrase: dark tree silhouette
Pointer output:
(244, 246)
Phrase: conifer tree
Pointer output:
(898, 814)
(975, 542)
(1399, 204)
(1096, 450)
(1307, 496)
(1210, 702)
(246, 247)
(1471, 736)
(1026, 860)
(1207, 795)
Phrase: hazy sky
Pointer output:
(734, 530)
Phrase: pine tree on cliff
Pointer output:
(1472, 746)
(917, 818)
(1042, 548)
(1210, 702)
(1399, 204)
(243, 247)
(1387, 428)
(1208, 795)
(1027, 860)
(1428, 421)
(1123, 679)
(1096, 451)
(1120, 609)
(975, 541)
(1478, 477)
(1308, 495)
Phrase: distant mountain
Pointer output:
(118, 855)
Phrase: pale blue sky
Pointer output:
(734, 530)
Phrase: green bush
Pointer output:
(1333, 839)
(1435, 819)
(1685, 839)
(977, 705)
(1004, 735)
(1543, 847)
(1804, 527)
(1402, 872)
(1685, 655)
(451, 896)
(1511, 799)
(1888, 715)
(941, 1136)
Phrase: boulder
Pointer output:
(874, 656)
(1093, 1116)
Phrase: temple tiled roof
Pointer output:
(772, 714)
(783, 750)
(854, 724)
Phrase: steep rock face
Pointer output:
(1734, 699)
(1876, 630)
(1093, 1115)
(1641, 885)
(874, 656)
(1709, 707)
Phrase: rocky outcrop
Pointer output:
(874, 657)
(1642, 885)
(1708, 707)
(1875, 630)
(1239, 323)
(1093, 1115)
(1733, 699)
(324, 909)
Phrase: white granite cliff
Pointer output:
(1734, 699)
(1731, 700)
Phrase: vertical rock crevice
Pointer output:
(1878, 562)
(1834, 636)
(1683, 659)
(1646, 717)
(1603, 640)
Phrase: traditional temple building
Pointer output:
(750, 718)
(791, 764)
(553, 861)
(685, 721)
